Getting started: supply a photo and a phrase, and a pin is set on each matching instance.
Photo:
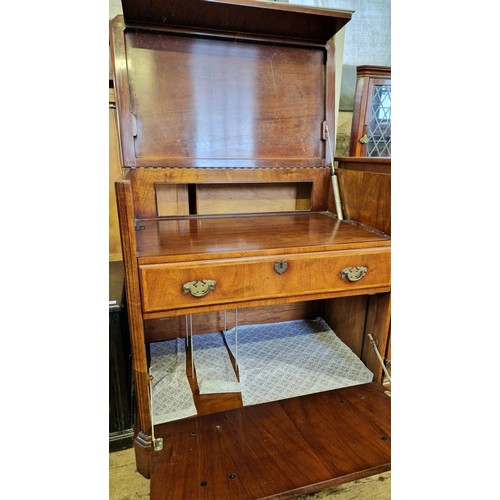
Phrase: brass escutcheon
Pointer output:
(199, 288)
(280, 266)
(353, 273)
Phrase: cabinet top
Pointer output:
(244, 17)
(214, 83)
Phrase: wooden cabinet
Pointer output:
(120, 366)
(226, 206)
(371, 123)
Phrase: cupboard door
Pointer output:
(371, 124)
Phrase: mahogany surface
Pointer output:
(204, 102)
(180, 116)
(246, 18)
(275, 450)
(366, 198)
(376, 164)
(190, 238)
(134, 309)
(243, 282)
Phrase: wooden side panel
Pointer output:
(330, 99)
(353, 318)
(358, 117)
(115, 172)
(377, 324)
(139, 358)
(346, 317)
(366, 198)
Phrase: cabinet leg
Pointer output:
(143, 449)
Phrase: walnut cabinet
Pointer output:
(225, 205)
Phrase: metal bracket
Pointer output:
(379, 357)
(157, 442)
(138, 227)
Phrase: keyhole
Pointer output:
(280, 266)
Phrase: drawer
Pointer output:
(209, 282)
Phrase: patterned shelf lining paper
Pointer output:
(214, 370)
(172, 396)
(275, 361)
(293, 358)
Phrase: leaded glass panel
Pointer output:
(379, 129)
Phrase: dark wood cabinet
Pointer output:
(120, 363)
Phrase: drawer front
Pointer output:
(178, 285)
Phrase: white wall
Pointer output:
(115, 8)
(367, 36)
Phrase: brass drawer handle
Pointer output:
(353, 273)
(199, 288)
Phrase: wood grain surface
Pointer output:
(194, 238)
(244, 18)
(275, 450)
(125, 483)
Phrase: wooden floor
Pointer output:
(125, 483)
